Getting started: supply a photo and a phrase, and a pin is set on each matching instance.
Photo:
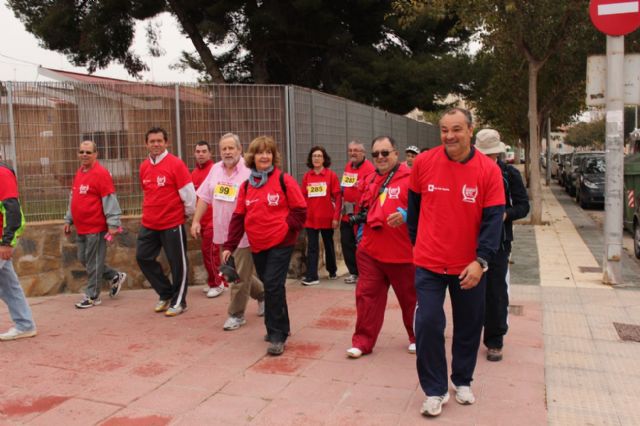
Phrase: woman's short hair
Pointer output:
(262, 144)
(325, 163)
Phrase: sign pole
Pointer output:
(612, 265)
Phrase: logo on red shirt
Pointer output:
(394, 193)
(469, 194)
(273, 199)
(83, 190)
(161, 180)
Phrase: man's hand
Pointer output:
(395, 219)
(6, 252)
(196, 230)
(470, 276)
(225, 255)
(335, 223)
(67, 228)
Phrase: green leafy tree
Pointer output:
(355, 48)
(587, 134)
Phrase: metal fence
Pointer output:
(42, 124)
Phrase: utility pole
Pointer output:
(614, 155)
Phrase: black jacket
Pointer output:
(515, 195)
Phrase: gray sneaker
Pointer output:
(464, 395)
(275, 348)
(351, 279)
(116, 284)
(432, 406)
(234, 323)
(260, 308)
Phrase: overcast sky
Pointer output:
(20, 53)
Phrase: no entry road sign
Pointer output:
(615, 17)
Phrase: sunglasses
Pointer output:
(384, 153)
(85, 152)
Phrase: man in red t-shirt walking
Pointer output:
(354, 173)
(210, 251)
(454, 218)
(169, 197)
(95, 212)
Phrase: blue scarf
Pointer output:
(258, 179)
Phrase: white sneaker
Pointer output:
(354, 353)
(432, 406)
(464, 395)
(310, 282)
(234, 323)
(412, 348)
(116, 284)
(15, 334)
(215, 291)
(351, 279)
(260, 308)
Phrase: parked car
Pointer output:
(590, 179)
(570, 173)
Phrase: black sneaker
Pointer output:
(494, 354)
(275, 348)
(88, 302)
(116, 284)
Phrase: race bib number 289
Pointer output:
(349, 179)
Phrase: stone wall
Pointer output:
(46, 260)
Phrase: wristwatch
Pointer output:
(483, 263)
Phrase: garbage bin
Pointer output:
(632, 199)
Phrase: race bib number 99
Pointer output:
(349, 179)
(225, 192)
(317, 189)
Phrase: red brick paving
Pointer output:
(122, 364)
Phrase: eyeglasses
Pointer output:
(384, 153)
(85, 152)
(317, 156)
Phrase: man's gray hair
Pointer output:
(467, 114)
(93, 144)
(235, 138)
(358, 143)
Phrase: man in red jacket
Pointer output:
(169, 197)
(384, 254)
(95, 212)
(210, 251)
(354, 172)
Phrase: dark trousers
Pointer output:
(348, 242)
(174, 243)
(371, 298)
(272, 266)
(497, 299)
(313, 249)
(467, 308)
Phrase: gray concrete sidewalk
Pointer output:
(591, 375)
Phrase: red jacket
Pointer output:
(351, 182)
(269, 216)
(323, 196)
(379, 240)
(198, 175)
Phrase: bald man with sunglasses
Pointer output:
(384, 253)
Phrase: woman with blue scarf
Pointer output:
(272, 211)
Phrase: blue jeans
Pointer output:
(11, 293)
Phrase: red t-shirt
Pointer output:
(380, 241)
(351, 182)
(198, 175)
(266, 210)
(453, 197)
(87, 192)
(162, 207)
(8, 189)
(322, 193)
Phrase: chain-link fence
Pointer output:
(42, 124)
